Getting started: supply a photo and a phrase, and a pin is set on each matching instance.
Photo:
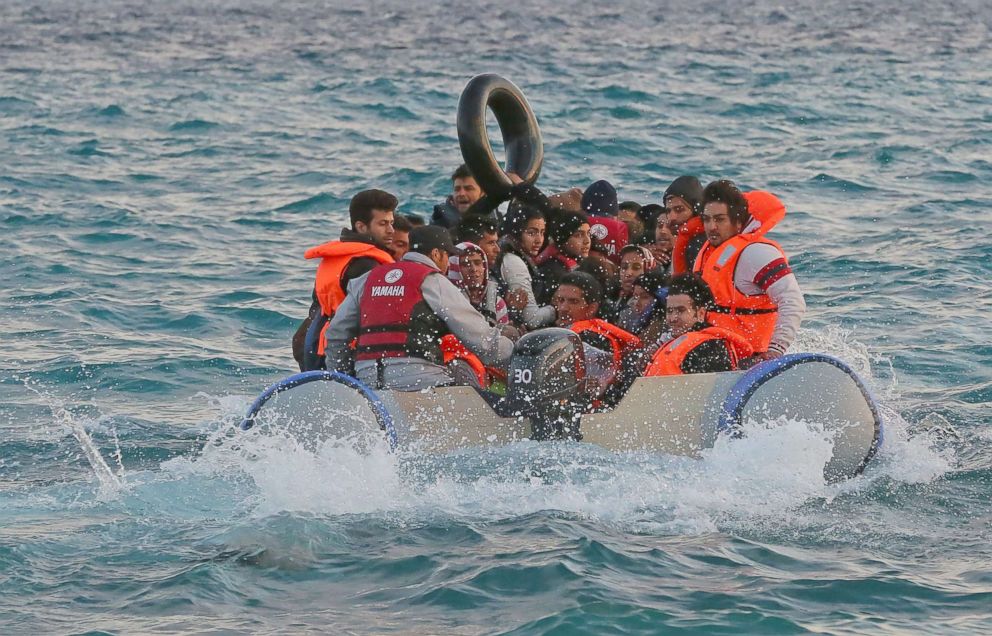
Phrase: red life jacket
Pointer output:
(669, 358)
(689, 230)
(621, 342)
(610, 233)
(394, 319)
(335, 257)
(753, 317)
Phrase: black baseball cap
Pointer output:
(425, 238)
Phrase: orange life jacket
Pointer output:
(669, 358)
(689, 230)
(335, 257)
(452, 349)
(753, 317)
(621, 342)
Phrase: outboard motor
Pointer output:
(546, 382)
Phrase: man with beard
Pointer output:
(361, 247)
(694, 346)
(755, 292)
(465, 192)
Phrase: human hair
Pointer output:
(461, 172)
(473, 227)
(415, 220)
(633, 206)
(365, 201)
(561, 226)
(592, 291)
(650, 213)
(517, 216)
(693, 286)
(605, 271)
(401, 223)
(726, 192)
(656, 284)
(640, 250)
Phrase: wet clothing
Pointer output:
(342, 261)
(404, 370)
(394, 320)
(608, 337)
(609, 353)
(704, 349)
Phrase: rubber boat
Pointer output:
(547, 392)
(546, 400)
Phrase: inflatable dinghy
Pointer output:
(546, 400)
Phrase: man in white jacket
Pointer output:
(756, 292)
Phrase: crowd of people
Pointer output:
(688, 285)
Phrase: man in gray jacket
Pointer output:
(400, 311)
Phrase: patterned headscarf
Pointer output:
(494, 302)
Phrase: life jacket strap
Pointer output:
(720, 309)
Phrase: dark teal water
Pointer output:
(164, 166)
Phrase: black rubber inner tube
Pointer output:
(517, 123)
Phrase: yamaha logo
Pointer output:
(393, 275)
(599, 231)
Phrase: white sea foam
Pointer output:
(771, 472)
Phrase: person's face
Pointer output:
(717, 223)
(663, 238)
(401, 244)
(532, 237)
(678, 211)
(681, 314)
(490, 245)
(473, 268)
(572, 306)
(631, 266)
(578, 244)
(464, 192)
(380, 228)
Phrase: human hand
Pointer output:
(516, 299)
(514, 178)
(758, 358)
(662, 256)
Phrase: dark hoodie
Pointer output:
(447, 215)
(688, 188)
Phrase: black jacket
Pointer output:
(357, 267)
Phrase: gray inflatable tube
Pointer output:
(676, 415)
(518, 125)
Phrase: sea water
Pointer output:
(163, 166)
